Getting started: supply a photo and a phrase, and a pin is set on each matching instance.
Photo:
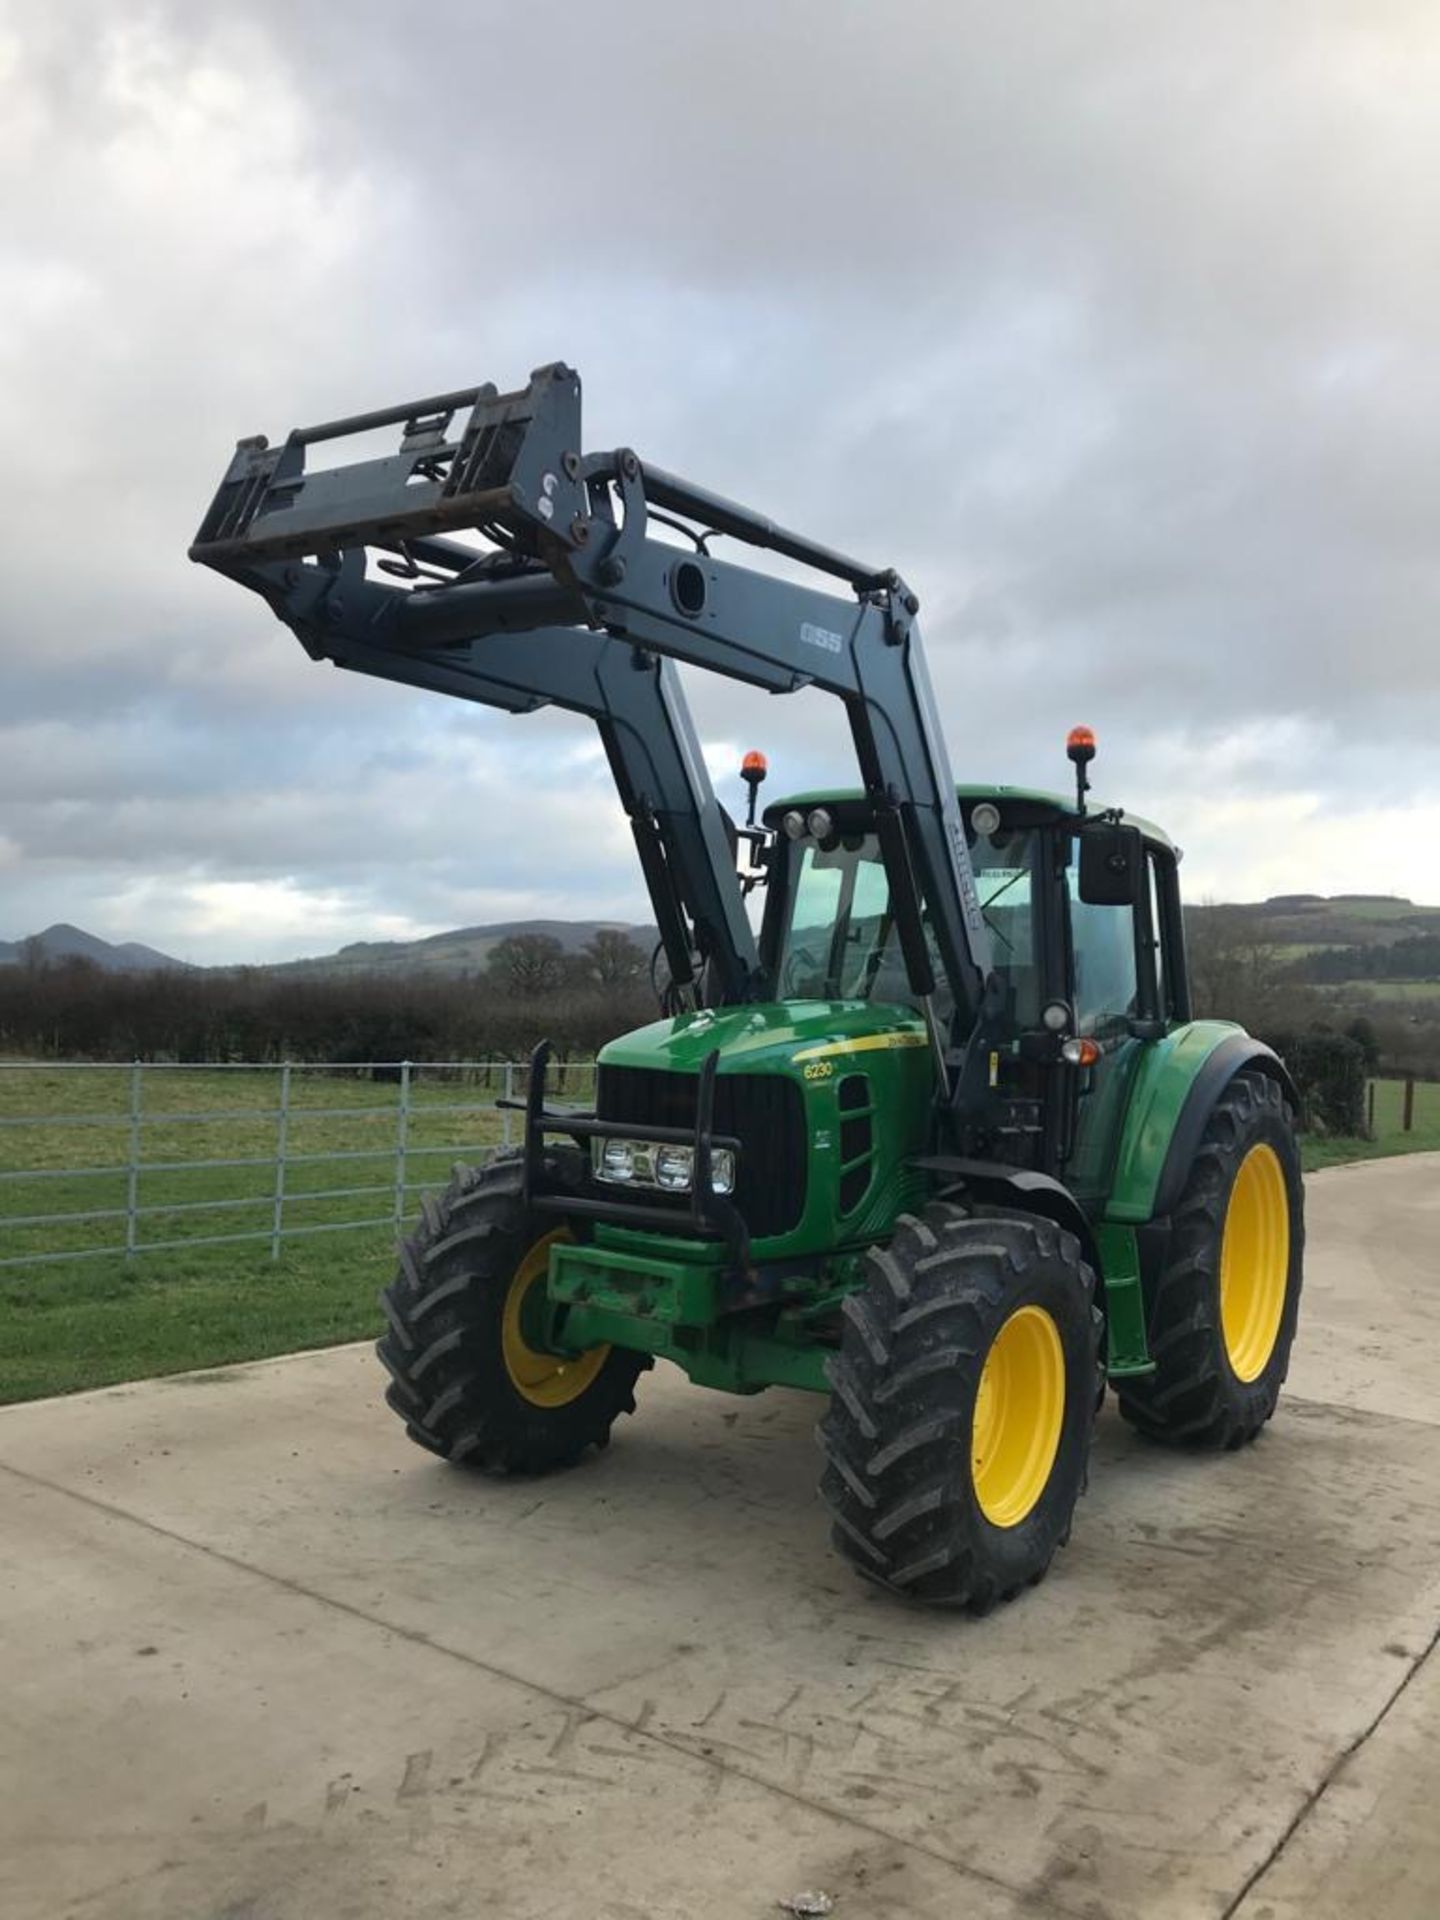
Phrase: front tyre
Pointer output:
(470, 1373)
(958, 1432)
(1224, 1309)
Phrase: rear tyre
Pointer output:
(1223, 1311)
(958, 1433)
(469, 1373)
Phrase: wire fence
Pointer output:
(101, 1161)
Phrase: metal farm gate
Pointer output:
(101, 1160)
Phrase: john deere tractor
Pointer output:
(940, 1143)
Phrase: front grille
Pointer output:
(763, 1111)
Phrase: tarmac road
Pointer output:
(261, 1659)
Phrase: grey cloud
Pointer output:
(1111, 326)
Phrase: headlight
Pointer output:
(674, 1168)
(615, 1159)
(640, 1163)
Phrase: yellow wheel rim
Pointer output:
(544, 1379)
(1254, 1262)
(1019, 1410)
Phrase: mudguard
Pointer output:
(1176, 1086)
(993, 1184)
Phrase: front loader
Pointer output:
(942, 1143)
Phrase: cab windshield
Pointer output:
(840, 938)
(840, 941)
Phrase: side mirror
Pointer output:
(1112, 864)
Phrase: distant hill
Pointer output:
(1294, 925)
(64, 942)
(465, 950)
(1309, 920)
(1298, 922)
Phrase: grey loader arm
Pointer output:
(574, 602)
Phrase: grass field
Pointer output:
(1372, 990)
(1379, 909)
(89, 1322)
(1389, 1137)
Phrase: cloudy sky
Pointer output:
(1115, 327)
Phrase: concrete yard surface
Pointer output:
(262, 1659)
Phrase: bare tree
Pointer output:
(614, 959)
(527, 964)
(1237, 972)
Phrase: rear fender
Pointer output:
(1176, 1086)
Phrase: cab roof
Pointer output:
(967, 795)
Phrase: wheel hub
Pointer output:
(1019, 1411)
(543, 1378)
(1254, 1262)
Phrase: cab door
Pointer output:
(1113, 991)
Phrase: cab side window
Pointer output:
(1107, 992)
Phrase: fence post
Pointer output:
(509, 1095)
(282, 1130)
(1409, 1119)
(402, 1136)
(1370, 1109)
(132, 1181)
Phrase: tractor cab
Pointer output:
(1082, 983)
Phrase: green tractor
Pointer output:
(939, 1140)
